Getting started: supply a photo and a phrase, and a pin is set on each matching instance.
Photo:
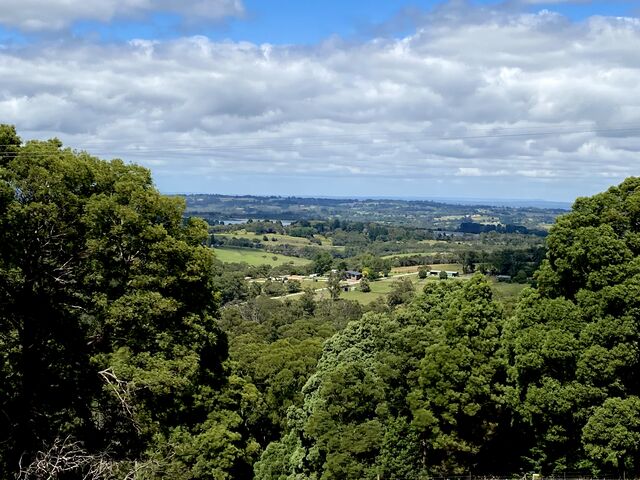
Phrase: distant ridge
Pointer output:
(502, 202)
(493, 202)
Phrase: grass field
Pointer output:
(255, 257)
(379, 288)
(313, 284)
(440, 248)
(505, 293)
(451, 267)
(280, 239)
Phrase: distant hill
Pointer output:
(444, 214)
(494, 202)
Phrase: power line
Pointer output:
(280, 145)
(589, 126)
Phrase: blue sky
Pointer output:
(310, 22)
(493, 99)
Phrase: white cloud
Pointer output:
(51, 15)
(530, 98)
(469, 172)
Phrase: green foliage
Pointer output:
(520, 277)
(274, 347)
(596, 245)
(9, 144)
(372, 266)
(612, 434)
(573, 341)
(107, 318)
(294, 286)
(230, 286)
(333, 285)
(274, 288)
(322, 262)
(457, 404)
(402, 291)
(362, 415)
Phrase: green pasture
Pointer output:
(279, 239)
(506, 293)
(255, 257)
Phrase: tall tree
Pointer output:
(458, 404)
(574, 340)
(333, 285)
(9, 143)
(107, 313)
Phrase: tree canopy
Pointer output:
(107, 320)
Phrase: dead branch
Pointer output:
(66, 455)
(123, 391)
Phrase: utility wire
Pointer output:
(482, 131)
(281, 144)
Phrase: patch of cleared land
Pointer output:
(256, 257)
(280, 239)
(506, 293)
(451, 267)
(382, 287)
(314, 284)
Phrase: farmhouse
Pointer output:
(353, 275)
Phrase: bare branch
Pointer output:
(66, 456)
(123, 390)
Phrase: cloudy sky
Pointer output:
(485, 99)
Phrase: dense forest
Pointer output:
(120, 356)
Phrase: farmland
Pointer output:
(274, 238)
(256, 257)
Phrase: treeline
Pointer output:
(349, 233)
(343, 232)
(117, 359)
(473, 227)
